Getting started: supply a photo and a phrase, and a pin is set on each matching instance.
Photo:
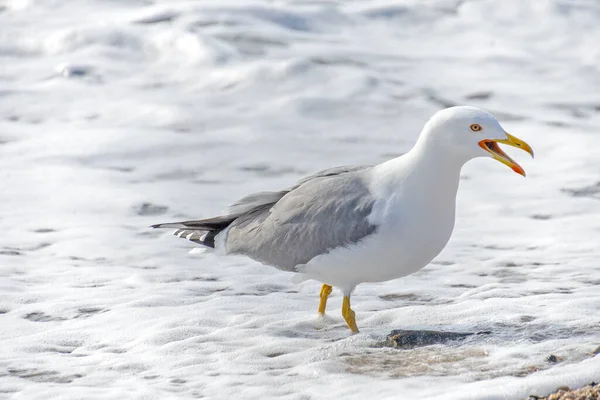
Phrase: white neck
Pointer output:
(426, 168)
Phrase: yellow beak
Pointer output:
(491, 146)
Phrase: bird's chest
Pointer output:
(417, 232)
(429, 231)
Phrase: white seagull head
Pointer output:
(469, 132)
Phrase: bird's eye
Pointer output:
(476, 127)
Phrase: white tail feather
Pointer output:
(175, 225)
(199, 250)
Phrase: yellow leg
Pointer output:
(325, 292)
(349, 315)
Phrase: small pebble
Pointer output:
(588, 392)
(552, 359)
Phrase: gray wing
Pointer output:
(324, 211)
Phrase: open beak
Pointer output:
(491, 146)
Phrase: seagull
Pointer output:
(348, 225)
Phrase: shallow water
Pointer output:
(117, 115)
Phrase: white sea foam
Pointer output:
(117, 115)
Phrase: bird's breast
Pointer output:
(413, 234)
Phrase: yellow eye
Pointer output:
(476, 127)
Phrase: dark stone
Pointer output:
(552, 359)
(399, 338)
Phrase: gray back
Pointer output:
(320, 213)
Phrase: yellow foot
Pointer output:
(349, 315)
(325, 292)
